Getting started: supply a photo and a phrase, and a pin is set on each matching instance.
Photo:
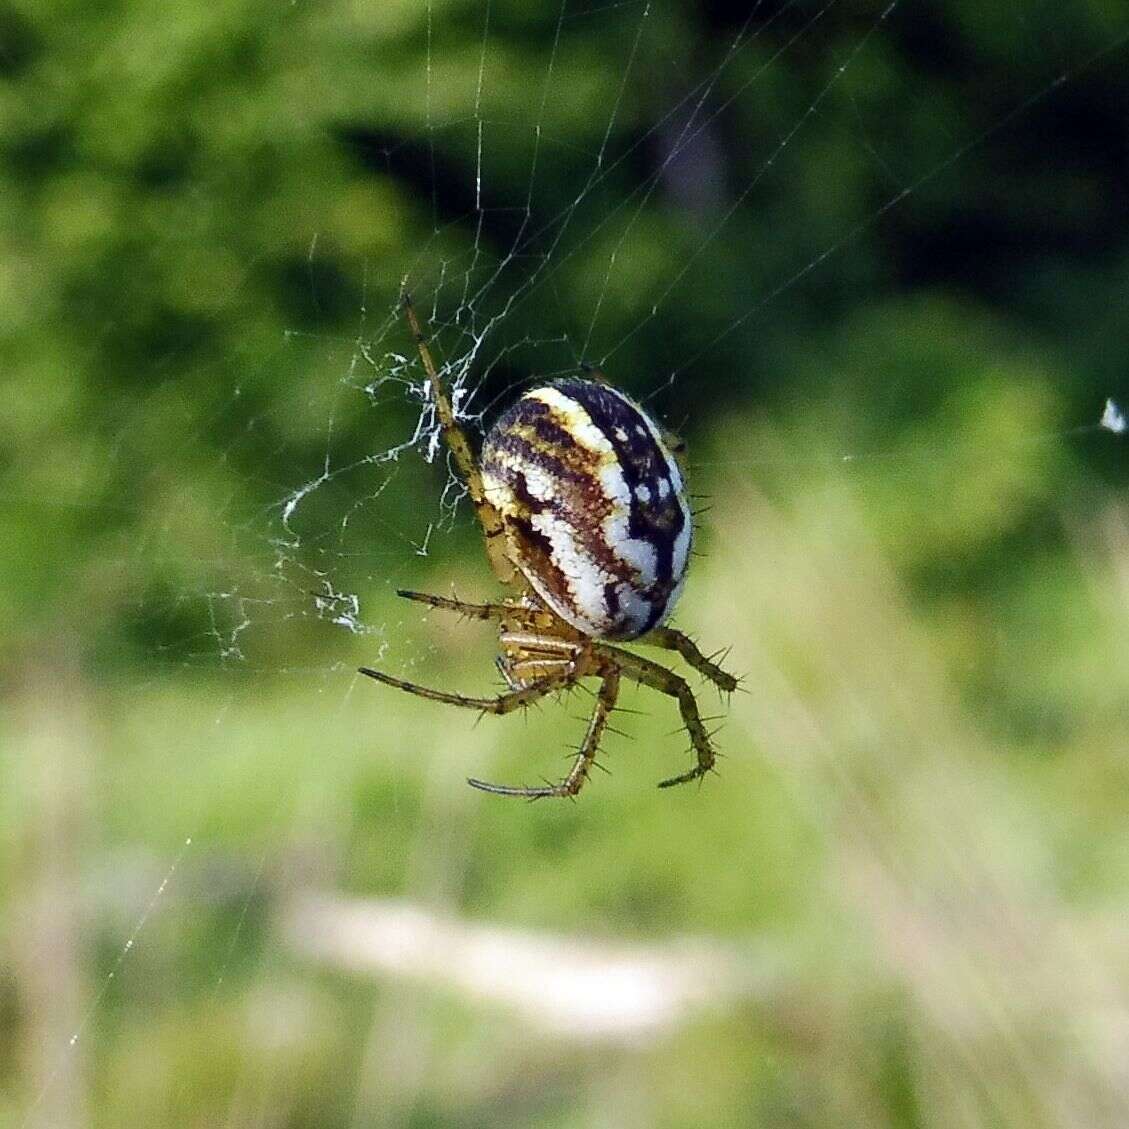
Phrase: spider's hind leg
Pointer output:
(585, 757)
(672, 640)
(649, 673)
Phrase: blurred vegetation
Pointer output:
(884, 303)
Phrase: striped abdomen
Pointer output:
(594, 506)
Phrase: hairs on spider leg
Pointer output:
(552, 785)
(627, 710)
(674, 732)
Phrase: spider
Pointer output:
(583, 509)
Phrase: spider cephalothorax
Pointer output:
(583, 506)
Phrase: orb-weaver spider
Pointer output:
(582, 505)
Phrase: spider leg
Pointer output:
(525, 671)
(527, 656)
(459, 446)
(673, 640)
(500, 704)
(471, 611)
(585, 757)
(539, 642)
(648, 673)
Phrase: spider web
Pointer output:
(490, 280)
(297, 572)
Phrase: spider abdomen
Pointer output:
(593, 504)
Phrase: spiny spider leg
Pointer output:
(471, 611)
(672, 640)
(500, 704)
(459, 446)
(649, 673)
(585, 757)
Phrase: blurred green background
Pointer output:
(871, 259)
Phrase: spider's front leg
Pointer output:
(651, 674)
(493, 529)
